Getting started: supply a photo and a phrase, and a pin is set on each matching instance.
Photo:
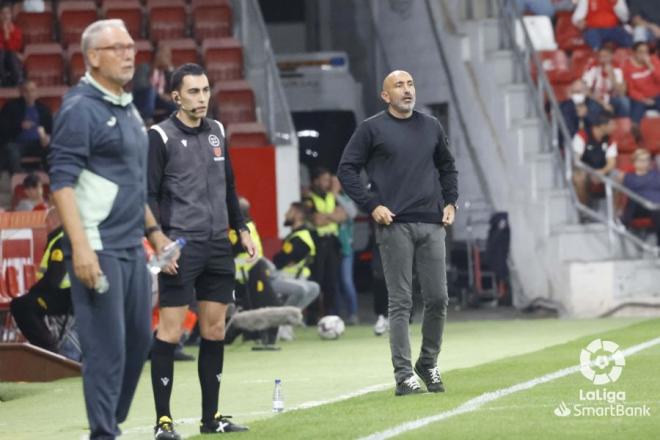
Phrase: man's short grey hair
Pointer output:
(91, 32)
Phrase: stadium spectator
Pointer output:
(25, 125)
(151, 86)
(645, 19)
(97, 163)
(606, 84)
(645, 182)
(11, 45)
(34, 190)
(326, 216)
(412, 196)
(536, 7)
(49, 296)
(579, 109)
(593, 147)
(347, 293)
(602, 22)
(642, 74)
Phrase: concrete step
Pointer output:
(584, 242)
(558, 207)
(542, 172)
(515, 102)
(502, 65)
(528, 138)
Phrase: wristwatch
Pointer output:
(150, 230)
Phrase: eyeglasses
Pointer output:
(118, 49)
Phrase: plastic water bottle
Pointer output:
(158, 261)
(278, 397)
(102, 285)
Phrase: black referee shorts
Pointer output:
(206, 270)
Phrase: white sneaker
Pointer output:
(382, 325)
(285, 333)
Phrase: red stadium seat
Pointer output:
(567, 35)
(43, 62)
(76, 63)
(581, 60)
(650, 130)
(128, 10)
(184, 50)
(52, 96)
(561, 91)
(247, 134)
(642, 223)
(37, 27)
(29, 276)
(621, 56)
(11, 277)
(223, 58)
(234, 102)
(623, 136)
(211, 19)
(144, 52)
(8, 93)
(167, 19)
(74, 17)
(624, 163)
(556, 66)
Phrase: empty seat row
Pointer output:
(159, 19)
(48, 65)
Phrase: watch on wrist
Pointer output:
(150, 230)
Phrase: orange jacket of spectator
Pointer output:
(601, 14)
(15, 41)
(642, 82)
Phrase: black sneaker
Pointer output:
(164, 430)
(220, 424)
(408, 386)
(431, 378)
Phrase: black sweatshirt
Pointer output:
(410, 168)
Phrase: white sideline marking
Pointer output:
(477, 402)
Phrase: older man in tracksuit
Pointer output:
(98, 158)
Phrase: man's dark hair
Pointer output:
(183, 71)
(638, 44)
(318, 172)
(301, 208)
(606, 48)
(602, 119)
(31, 181)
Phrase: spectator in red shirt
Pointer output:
(11, 43)
(642, 74)
(34, 191)
(601, 21)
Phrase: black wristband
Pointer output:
(150, 230)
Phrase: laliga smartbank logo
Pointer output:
(601, 362)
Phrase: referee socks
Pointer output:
(162, 375)
(209, 369)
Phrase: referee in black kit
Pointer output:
(191, 192)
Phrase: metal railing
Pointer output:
(262, 72)
(554, 128)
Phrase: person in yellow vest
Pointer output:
(325, 218)
(242, 259)
(49, 296)
(291, 280)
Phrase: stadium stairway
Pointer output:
(557, 262)
(577, 270)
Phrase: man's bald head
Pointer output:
(399, 93)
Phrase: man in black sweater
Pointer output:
(412, 196)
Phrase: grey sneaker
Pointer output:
(408, 386)
(430, 377)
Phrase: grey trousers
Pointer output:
(295, 292)
(404, 246)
